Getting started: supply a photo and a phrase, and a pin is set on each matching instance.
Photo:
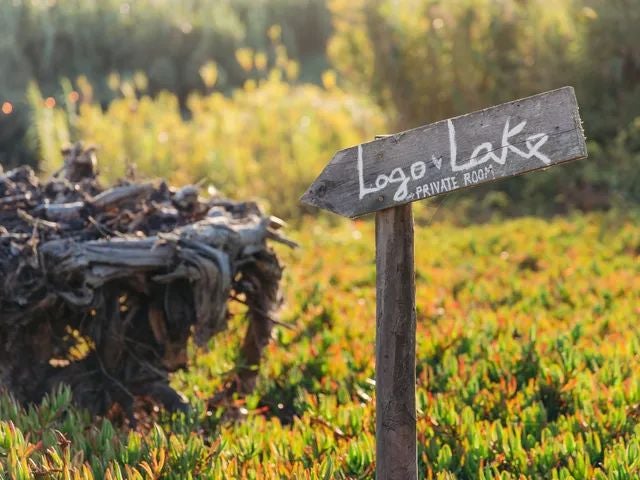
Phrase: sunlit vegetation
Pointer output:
(527, 341)
(527, 329)
(426, 60)
(269, 131)
(169, 41)
(267, 140)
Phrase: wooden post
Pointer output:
(396, 451)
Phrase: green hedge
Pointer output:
(422, 60)
(442, 58)
(167, 40)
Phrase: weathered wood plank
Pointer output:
(115, 195)
(503, 141)
(395, 346)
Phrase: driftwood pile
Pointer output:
(101, 289)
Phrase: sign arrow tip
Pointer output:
(308, 198)
(316, 196)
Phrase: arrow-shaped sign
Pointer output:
(499, 142)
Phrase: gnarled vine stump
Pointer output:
(101, 289)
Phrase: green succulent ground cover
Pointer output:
(527, 366)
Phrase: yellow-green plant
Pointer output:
(267, 140)
(433, 59)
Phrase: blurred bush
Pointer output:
(419, 60)
(431, 59)
(266, 140)
(608, 75)
(426, 60)
(168, 40)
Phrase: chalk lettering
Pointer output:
(418, 169)
(481, 174)
(443, 185)
(489, 153)
(480, 155)
(363, 189)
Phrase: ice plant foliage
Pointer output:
(527, 344)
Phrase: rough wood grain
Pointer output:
(395, 346)
(503, 141)
(115, 195)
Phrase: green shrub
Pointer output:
(267, 140)
(433, 59)
(168, 40)
(426, 60)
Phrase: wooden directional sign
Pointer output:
(499, 142)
